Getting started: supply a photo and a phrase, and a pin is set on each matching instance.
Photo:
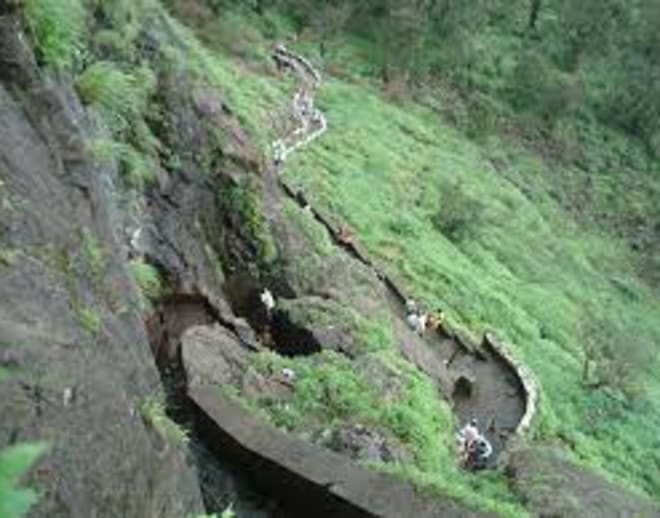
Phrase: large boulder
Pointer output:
(212, 355)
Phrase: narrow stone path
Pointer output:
(479, 381)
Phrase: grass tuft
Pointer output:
(58, 30)
(121, 95)
(154, 414)
(89, 319)
(148, 280)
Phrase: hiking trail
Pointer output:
(484, 381)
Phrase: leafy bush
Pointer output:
(14, 462)
(459, 215)
(58, 30)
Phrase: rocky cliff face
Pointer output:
(72, 327)
(70, 332)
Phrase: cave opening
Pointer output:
(276, 329)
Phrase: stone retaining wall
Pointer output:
(528, 380)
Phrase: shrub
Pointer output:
(614, 356)
(58, 30)
(14, 462)
(459, 215)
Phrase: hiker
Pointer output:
(436, 319)
(289, 374)
(474, 449)
(411, 306)
(477, 455)
(480, 454)
(282, 59)
(468, 434)
(268, 301)
(344, 235)
(417, 322)
(279, 152)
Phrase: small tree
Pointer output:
(459, 215)
(613, 357)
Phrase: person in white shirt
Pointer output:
(268, 301)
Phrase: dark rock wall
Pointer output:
(69, 330)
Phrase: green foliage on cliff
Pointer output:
(15, 461)
(58, 28)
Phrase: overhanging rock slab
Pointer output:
(317, 481)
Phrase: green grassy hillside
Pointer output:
(525, 270)
(481, 228)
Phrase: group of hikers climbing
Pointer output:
(474, 448)
(419, 321)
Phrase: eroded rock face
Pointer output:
(214, 355)
(78, 353)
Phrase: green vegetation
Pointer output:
(533, 242)
(58, 29)
(89, 319)
(227, 513)
(154, 415)
(148, 281)
(118, 86)
(8, 257)
(15, 461)
(498, 158)
(93, 253)
(527, 270)
(386, 393)
(458, 215)
(121, 95)
(243, 200)
(122, 98)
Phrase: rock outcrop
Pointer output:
(79, 359)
